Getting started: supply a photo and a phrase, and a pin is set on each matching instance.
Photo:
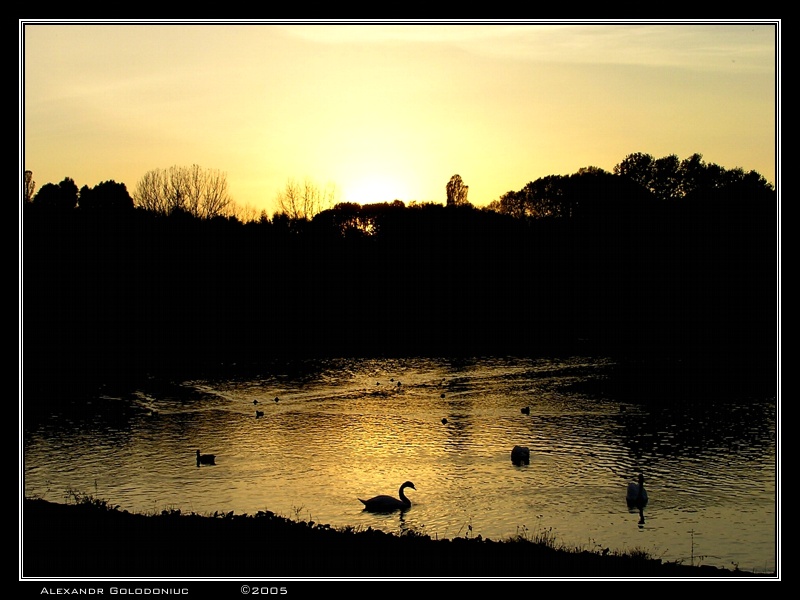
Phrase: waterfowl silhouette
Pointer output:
(636, 497)
(444, 421)
(520, 455)
(205, 459)
(259, 414)
(255, 401)
(525, 410)
(385, 503)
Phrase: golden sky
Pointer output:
(391, 111)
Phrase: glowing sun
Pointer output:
(374, 189)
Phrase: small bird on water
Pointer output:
(205, 459)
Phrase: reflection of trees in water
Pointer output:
(691, 429)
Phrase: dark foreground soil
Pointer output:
(84, 540)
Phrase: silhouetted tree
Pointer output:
(108, 196)
(669, 178)
(62, 197)
(600, 197)
(456, 191)
(203, 193)
(301, 201)
(509, 204)
(666, 178)
(281, 223)
(660, 176)
(694, 174)
(638, 167)
(347, 219)
(29, 186)
(753, 179)
(595, 256)
(47, 196)
(245, 214)
(539, 199)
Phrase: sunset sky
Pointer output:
(386, 112)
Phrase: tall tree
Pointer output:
(29, 187)
(456, 191)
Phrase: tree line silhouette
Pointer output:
(596, 262)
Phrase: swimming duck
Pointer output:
(205, 459)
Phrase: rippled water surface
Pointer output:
(337, 430)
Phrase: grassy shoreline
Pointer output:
(92, 539)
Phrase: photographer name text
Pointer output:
(122, 591)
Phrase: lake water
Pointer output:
(336, 430)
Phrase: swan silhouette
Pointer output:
(636, 497)
(526, 410)
(385, 503)
(521, 455)
(205, 459)
(259, 413)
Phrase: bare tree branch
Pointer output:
(202, 193)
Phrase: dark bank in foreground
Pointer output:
(91, 539)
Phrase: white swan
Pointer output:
(205, 459)
(636, 497)
(521, 455)
(385, 503)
